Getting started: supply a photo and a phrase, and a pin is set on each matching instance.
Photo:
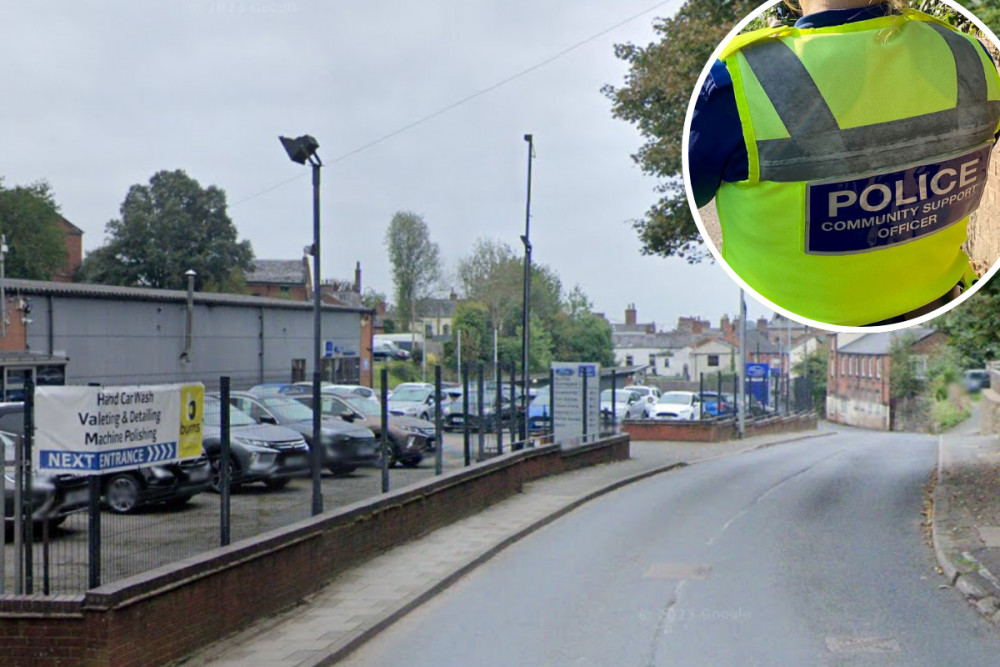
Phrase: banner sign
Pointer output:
(758, 382)
(888, 209)
(97, 430)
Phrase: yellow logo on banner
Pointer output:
(192, 412)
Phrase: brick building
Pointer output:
(859, 391)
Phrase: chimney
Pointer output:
(762, 325)
(630, 315)
(357, 278)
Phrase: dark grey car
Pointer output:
(345, 446)
(258, 452)
(53, 497)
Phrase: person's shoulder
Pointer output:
(718, 78)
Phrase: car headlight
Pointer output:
(262, 444)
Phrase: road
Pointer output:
(808, 553)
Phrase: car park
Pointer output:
(125, 491)
(386, 350)
(454, 417)
(678, 406)
(408, 437)
(649, 395)
(627, 405)
(263, 453)
(345, 447)
(352, 390)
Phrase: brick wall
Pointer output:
(164, 615)
(983, 245)
(713, 431)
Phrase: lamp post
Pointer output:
(525, 337)
(301, 150)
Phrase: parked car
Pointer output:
(717, 405)
(454, 417)
(257, 452)
(540, 412)
(650, 396)
(122, 492)
(628, 405)
(413, 400)
(53, 497)
(352, 390)
(386, 350)
(345, 446)
(976, 379)
(678, 406)
(409, 438)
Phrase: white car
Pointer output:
(628, 405)
(678, 406)
(650, 396)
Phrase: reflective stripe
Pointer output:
(817, 148)
(971, 83)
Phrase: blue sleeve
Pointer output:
(716, 151)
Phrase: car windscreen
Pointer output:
(414, 394)
(288, 409)
(676, 398)
(213, 414)
(621, 396)
(366, 406)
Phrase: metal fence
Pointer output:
(268, 483)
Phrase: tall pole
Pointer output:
(525, 337)
(741, 365)
(316, 452)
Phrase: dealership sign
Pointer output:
(97, 430)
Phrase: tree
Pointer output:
(655, 98)
(814, 367)
(28, 220)
(415, 261)
(166, 228)
(973, 328)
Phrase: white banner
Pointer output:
(96, 430)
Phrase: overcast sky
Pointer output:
(100, 95)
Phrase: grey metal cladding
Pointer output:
(817, 148)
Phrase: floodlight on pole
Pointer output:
(525, 336)
(302, 150)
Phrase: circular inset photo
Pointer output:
(837, 159)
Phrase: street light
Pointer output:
(525, 338)
(301, 150)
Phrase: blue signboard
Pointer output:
(863, 214)
(758, 381)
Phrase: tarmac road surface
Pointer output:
(806, 553)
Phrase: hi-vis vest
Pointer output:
(868, 148)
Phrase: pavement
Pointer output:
(965, 515)
(361, 602)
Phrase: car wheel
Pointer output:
(216, 482)
(122, 494)
(413, 461)
(341, 470)
(276, 484)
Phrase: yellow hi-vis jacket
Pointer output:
(868, 148)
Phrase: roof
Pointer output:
(278, 271)
(881, 343)
(436, 307)
(89, 291)
(759, 343)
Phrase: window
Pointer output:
(446, 330)
(843, 365)
(878, 369)
(713, 360)
(919, 363)
(285, 290)
(428, 330)
(629, 360)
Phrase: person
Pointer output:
(845, 155)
